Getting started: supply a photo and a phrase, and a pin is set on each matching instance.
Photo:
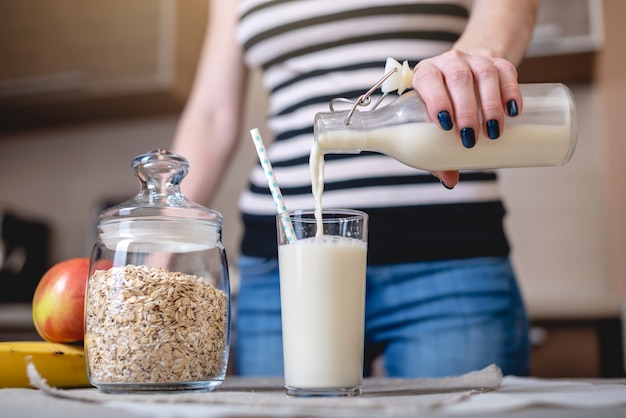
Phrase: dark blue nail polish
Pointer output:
(511, 108)
(468, 138)
(445, 120)
(493, 129)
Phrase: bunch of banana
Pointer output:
(62, 365)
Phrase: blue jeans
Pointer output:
(427, 319)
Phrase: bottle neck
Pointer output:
(335, 133)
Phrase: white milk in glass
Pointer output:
(322, 287)
(322, 282)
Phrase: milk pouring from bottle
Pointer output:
(544, 134)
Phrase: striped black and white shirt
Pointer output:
(312, 51)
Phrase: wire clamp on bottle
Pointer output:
(365, 99)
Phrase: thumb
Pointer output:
(448, 179)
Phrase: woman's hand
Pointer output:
(458, 87)
(478, 75)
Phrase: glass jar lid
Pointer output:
(160, 217)
(160, 173)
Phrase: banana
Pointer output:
(62, 365)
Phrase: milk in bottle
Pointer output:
(544, 134)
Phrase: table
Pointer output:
(478, 394)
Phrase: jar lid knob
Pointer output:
(160, 171)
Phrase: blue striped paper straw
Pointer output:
(271, 180)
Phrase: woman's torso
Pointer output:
(312, 51)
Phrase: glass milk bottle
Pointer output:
(544, 134)
(157, 306)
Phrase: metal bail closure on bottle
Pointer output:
(397, 77)
(365, 99)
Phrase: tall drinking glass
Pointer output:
(322, 287)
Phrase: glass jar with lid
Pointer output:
(157, 305)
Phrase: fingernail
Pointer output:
(445, 120)
(468, 138)
(493, 129)
(511, 108)
(445, 185)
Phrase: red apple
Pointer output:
(59, 301)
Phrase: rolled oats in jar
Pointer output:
(158, 296)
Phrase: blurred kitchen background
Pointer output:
(87, 86)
